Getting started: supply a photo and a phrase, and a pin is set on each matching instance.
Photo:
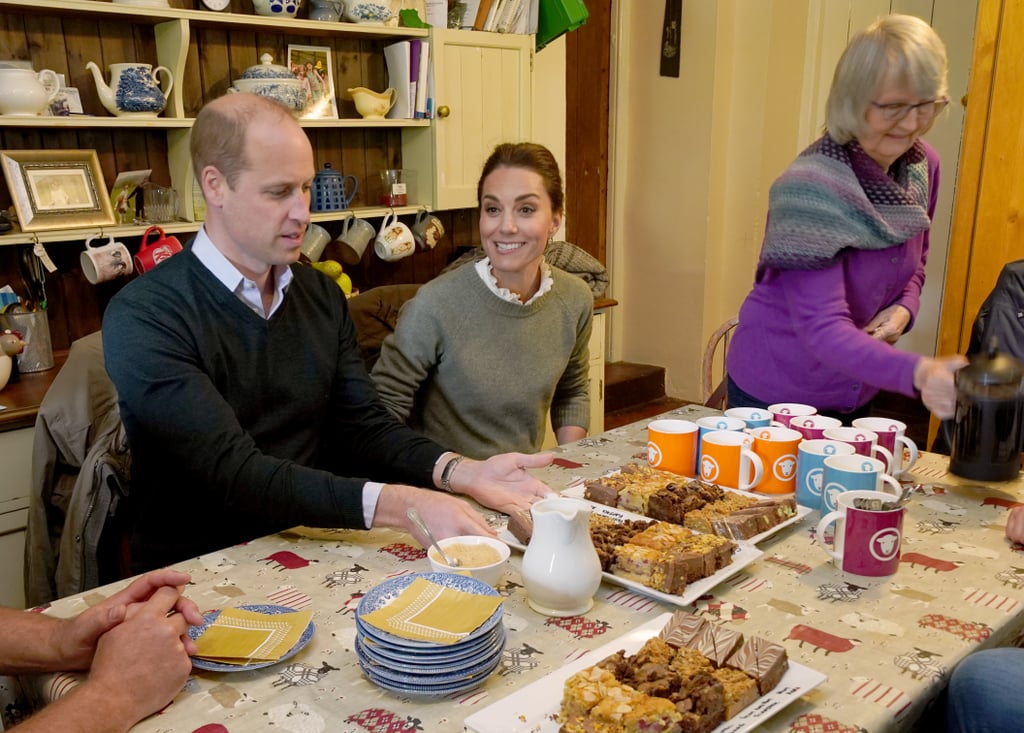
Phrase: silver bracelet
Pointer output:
(449, 469)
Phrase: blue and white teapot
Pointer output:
(134, 89)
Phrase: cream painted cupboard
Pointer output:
(15, 485)
(483, 96)
(596, 381)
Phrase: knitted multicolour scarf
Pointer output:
(834, 197)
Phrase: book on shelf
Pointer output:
(398, 59)
(414, 73)
(482, 13)
(469, 14)
(423, 69)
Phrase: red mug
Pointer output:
(151, 254)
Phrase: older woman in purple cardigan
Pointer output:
(842, 263)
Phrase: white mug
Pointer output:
(314, 241)
(394, 240)
(356, 235)
(105, 262)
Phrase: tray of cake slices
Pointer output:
(677, 672)
(666, 561)
(699, 505)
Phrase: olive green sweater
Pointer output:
(479, 373)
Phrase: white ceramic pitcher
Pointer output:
(561, 570)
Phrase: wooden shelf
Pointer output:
(206, 17)
(162, 123)
(80, 234)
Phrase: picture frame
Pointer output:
(67, 102)
(124, 194)
(56, 189)
(314, 66)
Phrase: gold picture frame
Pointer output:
(56, 189)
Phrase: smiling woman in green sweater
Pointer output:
(481, 354)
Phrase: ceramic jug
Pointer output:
(373, 105)
(561, 570)
(134, 89)
(26, 93)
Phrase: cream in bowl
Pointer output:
(484, 558)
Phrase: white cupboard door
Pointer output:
(483, 97)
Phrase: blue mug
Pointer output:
(810, 468)
(854, 473)
(754, 417)
(716, 422)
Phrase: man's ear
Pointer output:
(213, 184)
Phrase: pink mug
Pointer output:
(784, 412)
(864, 441)
(866, 541)
(813, 427)
(892, 435)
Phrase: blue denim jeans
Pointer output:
(984, 694)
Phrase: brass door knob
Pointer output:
(443, 111)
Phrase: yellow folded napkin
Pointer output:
(238, 636)
(426, 611)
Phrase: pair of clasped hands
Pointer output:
(933, 376)
(135, 648)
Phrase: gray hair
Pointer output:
(899, 47)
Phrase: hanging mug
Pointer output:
(151, 254)
(427, 230)
(395, 240)
(105, 262)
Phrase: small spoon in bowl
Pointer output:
(418, 521)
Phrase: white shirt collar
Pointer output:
(246, 290)
(483, 268)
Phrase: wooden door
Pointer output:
(587, 77)
(988, 230)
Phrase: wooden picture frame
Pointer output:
(314, 65)
(56, 189)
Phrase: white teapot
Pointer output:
(561, 569)
(26, 93)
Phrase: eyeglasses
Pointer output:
(925, 110)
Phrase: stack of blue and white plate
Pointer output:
(422, 667)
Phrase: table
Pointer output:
(887, 645)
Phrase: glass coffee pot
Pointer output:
(986, 444)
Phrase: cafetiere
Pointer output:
(986, 444)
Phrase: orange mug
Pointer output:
(151, 254)
(726, 459)
(777, 448)
(672, 446)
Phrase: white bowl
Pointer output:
(490, 573)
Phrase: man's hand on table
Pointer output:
(446, 515)
(502, 482)
(77, 638)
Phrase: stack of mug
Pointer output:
(788, 448)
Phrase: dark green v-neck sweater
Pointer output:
(240, 426)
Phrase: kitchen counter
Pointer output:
(20, 400)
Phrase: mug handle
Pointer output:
(758, 467)
(355, 187)
(885, 456)
(911, 447)
(830, 518)
(892, 483)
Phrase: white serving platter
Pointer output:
(745, 554)
(533, 708)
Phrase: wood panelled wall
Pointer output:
(216, 57)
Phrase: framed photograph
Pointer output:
(312, 64)
(56, 189)
(66, 103)
(124, 194)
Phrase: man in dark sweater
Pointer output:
(243, 393)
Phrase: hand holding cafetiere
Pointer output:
(933, 378)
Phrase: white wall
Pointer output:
(693, 158)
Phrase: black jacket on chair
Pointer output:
(1001, 317)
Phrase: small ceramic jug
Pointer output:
(561, 569)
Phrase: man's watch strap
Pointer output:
(449, 470)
